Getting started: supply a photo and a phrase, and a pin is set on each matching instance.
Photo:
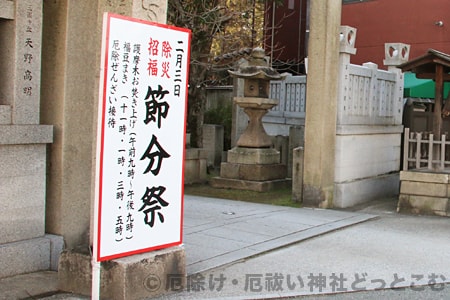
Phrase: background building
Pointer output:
(421, 24)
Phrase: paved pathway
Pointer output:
(218, 232)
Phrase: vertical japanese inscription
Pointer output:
(28, 47)
(121, 112)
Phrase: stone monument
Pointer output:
(24, 246)
(254, 164)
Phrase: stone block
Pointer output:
(195, 153)
(6, 9)
(5, 114)
(195, 166)
(25, 256)
(425, 205)
(281, 144)
(350, 193)
(25, 134)
(419, 176)
(362, 155)
(423, 188)
(22, 192)
(139, 276)
(241, 155)
(253, 172)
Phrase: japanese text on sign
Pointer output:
(141, 138)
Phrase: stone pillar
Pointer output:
(347, 38)
(71, 68)
(297, 174)
(395, 55)
(296, 139)
(70, 92)
(24, 247)
(213, 143)
(322, 91)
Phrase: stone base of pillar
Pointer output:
(138, 276)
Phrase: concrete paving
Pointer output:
(239, 250)
(218, 232)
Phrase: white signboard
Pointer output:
(141, 137)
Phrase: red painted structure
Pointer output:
(285, 34)
(413, 22)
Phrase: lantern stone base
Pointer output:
(138, 276)
(252, 169)
(424, 192)
(253, 156)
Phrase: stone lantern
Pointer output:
(256, 101)
(254, 164)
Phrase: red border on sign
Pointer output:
(107, 22)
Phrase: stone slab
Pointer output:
(22, 192)
(253, 172)
(368, 129)
(429, 177)
(26, 134)
(29, 286)
(368, 155)
(424, 189)
(134, 277)
(241, 155)
(257, 186)
(350, 193)
(423, 205)
(24, 256)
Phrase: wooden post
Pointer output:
(418, 149)
(406, 150)
(430, 151)
(442, 165)
(437, 113)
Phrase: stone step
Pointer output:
(30, 255)
(5, 114)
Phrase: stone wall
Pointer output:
(369, 126)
